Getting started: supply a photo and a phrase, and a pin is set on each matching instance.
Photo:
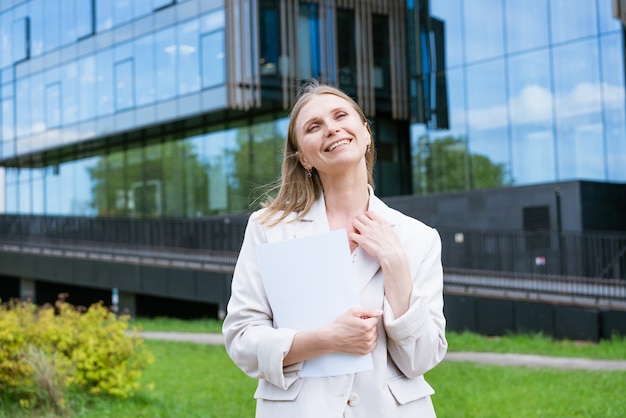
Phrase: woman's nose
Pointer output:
(331, 128)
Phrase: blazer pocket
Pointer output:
(406, 390)
(269, 392)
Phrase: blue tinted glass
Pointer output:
(482, 29)
(530, 109)
(145, 70)
(52, 24)
(19, 38)
(24, 192)
(69, 93)
(614, 96)
(580, 129)
(82, 187)
(605, 14)
(8, 133)
(37, 113)
(37, 23)
(37, 190)
(572, 19)
(6, 26)
(53, 105)
(165, 62)
(11, 198)
(68, 21)
(52, 185)
(22, 106)
(526, 24)
(104, 15)
(87, 85)
(487, 118)
(188, 57)
(450, 13)
(84, 18)
(142, 7)
(213, 59)
(104, 89)
(122, 12)
(124, 91)
(308, 41)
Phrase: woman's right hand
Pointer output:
(354, 332)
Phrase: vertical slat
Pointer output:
(284, 69)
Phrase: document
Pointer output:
(309, 282)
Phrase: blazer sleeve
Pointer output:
(251, 340)
(416, 340)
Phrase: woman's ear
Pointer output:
(303, 161)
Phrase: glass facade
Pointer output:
(536, 95)
(178, 108)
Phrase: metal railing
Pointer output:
(591, 255)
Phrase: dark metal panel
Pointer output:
(153, 281)
(83, 273)
(180, 283)
(576, 323)
(494, 316)
(9, 264)
(213, 287)
(613, 323)
(460, 312)
(533, 317)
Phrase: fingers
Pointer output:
(366, 313)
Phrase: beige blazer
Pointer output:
(407, 348)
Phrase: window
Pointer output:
(213, 62)
(346, 51)
(124, 91)
(53, 105)
(160, 4)
(21, 42)
(308, 41)
(84, 18)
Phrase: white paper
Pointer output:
(309, 282)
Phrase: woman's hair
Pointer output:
(296, 190)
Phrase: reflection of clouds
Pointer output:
(183, 49)
(534, 105)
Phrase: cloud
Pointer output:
(535, 104)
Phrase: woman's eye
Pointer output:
(341, 115)
(312, 128)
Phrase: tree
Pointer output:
(444, 165)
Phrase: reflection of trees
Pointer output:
(159, 180)
(257, 160)
(444, 165)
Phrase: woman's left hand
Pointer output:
(375, 236)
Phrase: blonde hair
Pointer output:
(296, 190)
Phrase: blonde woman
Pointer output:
(327, 185)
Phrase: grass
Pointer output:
(197, 381)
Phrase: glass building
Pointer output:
(178, 108)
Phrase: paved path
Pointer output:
(501, 359)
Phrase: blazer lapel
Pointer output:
(314, 222)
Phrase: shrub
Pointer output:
(45, 350)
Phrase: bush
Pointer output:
(46, 350)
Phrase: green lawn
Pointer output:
(197, 381)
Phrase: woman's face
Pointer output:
(331, 135)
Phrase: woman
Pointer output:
(326, 185)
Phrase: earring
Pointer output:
(369, 149)
(308, 172)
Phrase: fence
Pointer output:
(594, 255)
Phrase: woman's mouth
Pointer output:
(337, 144)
